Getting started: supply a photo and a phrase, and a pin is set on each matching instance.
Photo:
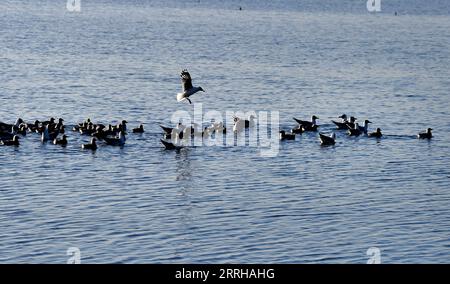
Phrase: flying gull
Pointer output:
(188, 89)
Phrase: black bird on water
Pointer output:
(376, 134)
(13, 142)
(343, 123)
(90, 146)
(425, 135)
(327, 140)
(62, 141)
(139, 129)
(286, 136)
(170, 146)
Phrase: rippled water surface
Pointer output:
(141, 204)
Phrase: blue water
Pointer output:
(309, 204)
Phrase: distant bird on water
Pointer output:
(425, 135)
(286, 136)
(376, 134)
(47, 135)
(188, 89)
(241, 124)
(298, 130)
(327, 140)
(116, 141)
(365, 128)
(343, 123)
(139, 129)
(355, 131)
(62, 141)
(91, 146)
(170, 146)
(308, 125)
(13, 142)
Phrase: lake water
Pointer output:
(309, 204)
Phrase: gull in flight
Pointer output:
(188, 89)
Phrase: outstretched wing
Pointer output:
(186, 80)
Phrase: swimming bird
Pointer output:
(193, 131)
(170, 146)
(206, 132)
(167, 130)
(425, 135)
(89, 130)
(50, 124)
(308, 125)
(327, 140)
(173, 131)
(310, 128)
(6, 135)
(121, 127)
(13, 142)
(62, 141)
(7, 127)
(51, 121)
(139, 129)
(217, 127)
(33, 127)
(376, 134)
(355, 131)
(91, 146)
(240, 124)
(47, 135)
(80, 125)
(100, 133)
(116, 141)
(286, 136)
(343, 123)
(60, 126)
(188, 89)
(365, 128)
(351, 122)
(22, 130)
(298, 130)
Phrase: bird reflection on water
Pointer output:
(183, 165)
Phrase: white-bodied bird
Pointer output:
(188, 89)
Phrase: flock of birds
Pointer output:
(181, 131)
(352, 127)
(115, 135)
(55, 132)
